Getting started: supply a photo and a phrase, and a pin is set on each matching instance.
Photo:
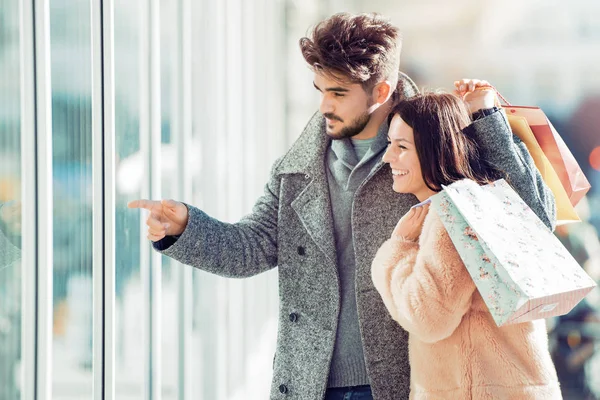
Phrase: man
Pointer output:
(327, 208)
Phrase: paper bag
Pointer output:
(520, 268)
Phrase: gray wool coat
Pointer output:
(291, 227)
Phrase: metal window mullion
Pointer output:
(97, 203)
(109, 201)
(108, 35)
(28, 201)
(42, 202)
(182, 137)
(144, 136)
(155, 176)
(103, 153)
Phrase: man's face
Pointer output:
(345, 106)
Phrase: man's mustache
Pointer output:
(332, 117)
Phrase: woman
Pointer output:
(456, 350)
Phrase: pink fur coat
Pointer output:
(456, 351)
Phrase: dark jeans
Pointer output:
(349, 393)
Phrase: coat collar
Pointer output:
(307, 154)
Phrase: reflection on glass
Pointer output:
(130, 298)
(70, 41)
(10, 202)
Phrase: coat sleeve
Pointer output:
(508, 153)
(238, 250)
(425, 287)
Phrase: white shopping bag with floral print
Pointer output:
(520, 268)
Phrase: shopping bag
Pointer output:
(560, 157)
(565, 212)
(520, 268)
(554, 148)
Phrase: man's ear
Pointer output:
(382, 92)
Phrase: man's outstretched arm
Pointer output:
(190, 236)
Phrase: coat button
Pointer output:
(283, 389)
(293, 317)
(301, 250)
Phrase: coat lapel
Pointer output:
(313, 205)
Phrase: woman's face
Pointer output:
(402, 156)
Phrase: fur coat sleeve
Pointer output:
(425, 286)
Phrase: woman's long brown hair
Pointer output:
(445, 153)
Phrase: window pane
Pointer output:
(130, 298)
(10, 201)
(70, 41)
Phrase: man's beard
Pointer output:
(356, 127)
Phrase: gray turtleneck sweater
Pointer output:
(350, 161)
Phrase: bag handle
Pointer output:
(487, 87)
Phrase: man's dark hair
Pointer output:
(363, 49)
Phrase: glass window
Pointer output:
(130, 325)
(70, 46)
(10, 201)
